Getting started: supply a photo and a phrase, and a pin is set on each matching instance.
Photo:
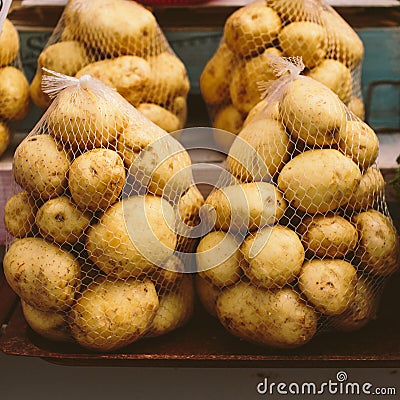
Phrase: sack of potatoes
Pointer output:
(14, 87)
(120, 43)
(301, 240)
(331, 51)
(92, 241)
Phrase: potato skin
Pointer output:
(328, 284)
(218, 259)
(60, 220)
(356, 106)
(111, 314)
(5, 137)
(42, 274)
(41, 167)
(96, 179)
(274, 256)
(19, 215)
(9, 43)
(162, 117)
(263, 110)
(208, 294)
(39, 98)
(312, 112)
(246, 206)
(276, 318)
(378, 245)
(169, 274)
(328, 236)
(315, 189)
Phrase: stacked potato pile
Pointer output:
(14, 88)
(93, 229)
(302, 238)
(120, 43)
(331, 51)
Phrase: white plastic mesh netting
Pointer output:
(92, 230)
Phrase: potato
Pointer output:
(216, 76)
(260, 150)
(369, 191)
(113, 27)
(263, 110)
(328, 284)
(218, 258)
(49, 324)
(14, 94)
(129, 75)
(111, 314)
(178, 106)
(378, 243)
(251, 29)
(344, 43)
(274, 256)
(133, 236)
(277, 318)
(169, 274)
(312, 112)
(246, 206)
(358, 141)
(356, 106)
(229, 120)
(318, 181)
(168, 79)
(42, 274)
(40, 167)
(60, 220)
(362, 309)
(306, 39)
(176, 308)
(207, 294)
(5, 137)
(80, 118)
(160, 116)
(96, 179)
(19, 214)
(328, 236)
(294, 10)
(336, 76)
(244, 91)
(39, 98)
(9, 43)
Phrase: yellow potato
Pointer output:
(328, 284)
(230, 120)
(218, 259)
(246, 206)
(5, 137)
(294, 10)
(160, 116)
(358, 141)
(277, 318)
(179, 107)
(39, 98)
(19, 215)
(356, 106)
(260, 151)
(96, 179)
(251, 29)
(60, 220)
(208, 294)
(336, 76)
(318, 181)
(274, 256)
(44, 275)
(169, 274)
(369, 191)
(9, 43)
(129, 75)
(216, 76)
(306, 39)
(111, 314)
(328, 236)
(378, 243)
(312, 112)
(41, 167)
(263, 110)
(133, 237)
(14, 94)
(244, 91)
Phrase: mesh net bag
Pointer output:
(331, 51)
(14, 88)
(93, 226)
(120, 43)
(302, 241)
